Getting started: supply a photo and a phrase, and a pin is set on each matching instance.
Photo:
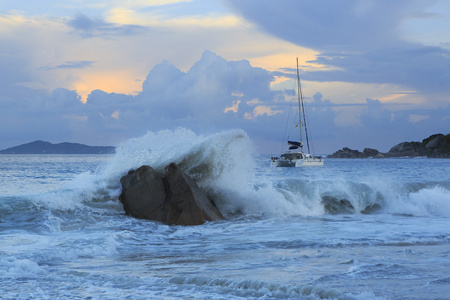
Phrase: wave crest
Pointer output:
(226, 166)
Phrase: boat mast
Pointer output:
(299, 95)
(301, 110)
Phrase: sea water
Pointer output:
(352, 229)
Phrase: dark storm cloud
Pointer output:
(426, 69)
(346, 25)
(359, 40)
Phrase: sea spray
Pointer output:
(156, 149)
(432, 200)
(64, 234)
(227, 167)
(240, 182)
(222, 163)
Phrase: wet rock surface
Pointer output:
(173, 198)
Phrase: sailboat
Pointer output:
(294, 156)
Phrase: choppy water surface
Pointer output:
(354, 229)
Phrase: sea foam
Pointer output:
(240, 182)
(429, 201)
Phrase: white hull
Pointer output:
(295, 161)
(311, 162)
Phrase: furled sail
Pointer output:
(295, 144)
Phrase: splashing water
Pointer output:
(354, 229)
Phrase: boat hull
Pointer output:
(296, 163)
(313, 162)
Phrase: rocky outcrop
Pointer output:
(373, 153)
(173, 199)
(435, 146)
(347, 153)
(435, 142)
(410, 149)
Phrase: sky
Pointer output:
(374, 73)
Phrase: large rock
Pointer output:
(143, 194)
(410, 149)
(435, 146)
(174, 199)
(402, 148)
(372, 153)
(434, 142)
(347, 153)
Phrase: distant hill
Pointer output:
(435, 146)
(41, 147)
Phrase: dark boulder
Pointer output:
(188, 204)
(173, 199)
(143, 194)
(336, 206)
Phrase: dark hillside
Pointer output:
(435, 146)
(41, 147)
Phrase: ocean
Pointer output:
(352, 229)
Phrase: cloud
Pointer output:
(208, 88)
(376, 116)
(170, 98)
(261, 110)
(347, 25)
(81, 64)
(321, 116)
(94, 27)
(423, 68)
(214, 94)
(14, 58)
(358, 58)
(359, 40)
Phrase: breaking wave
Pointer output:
(241, 183)
(260, 289)
(226, 166)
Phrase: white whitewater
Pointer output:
(357, 229)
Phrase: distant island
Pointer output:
(41, 147)
(435, 146)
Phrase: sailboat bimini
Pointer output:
(294, 156)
